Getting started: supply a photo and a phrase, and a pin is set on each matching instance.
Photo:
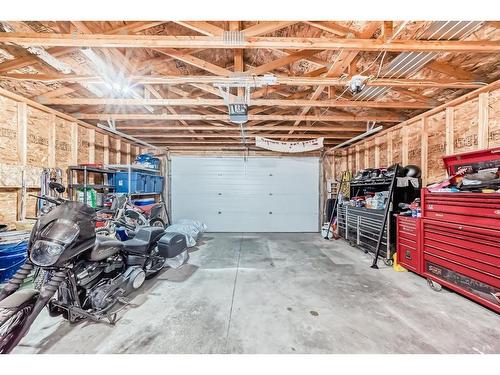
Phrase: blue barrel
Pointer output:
(13, 253)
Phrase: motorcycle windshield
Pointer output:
(61, 230)
(66, 222)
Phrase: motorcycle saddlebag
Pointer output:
(172, 244)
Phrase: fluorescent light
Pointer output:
(126, 136)
(357, 138)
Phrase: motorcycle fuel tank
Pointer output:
(104, 247)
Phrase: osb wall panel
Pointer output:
(99, 148)
(350, 159)
(464, 134)
(112, 151)
(494, 119)
(360, 161)
(328, 167)
(436, 128)
(124, 154)
(38, 155)
(63, 145)
(382, 147)
(10, 175)
(414, 134)
(134, 151)
(339, 164)
(8, 131)
(370, 153)
(83, 145)
(396, 139)
(31, 203)
(465, 126)
(38, 138)
(8, 203)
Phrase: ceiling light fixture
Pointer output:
(357, 83)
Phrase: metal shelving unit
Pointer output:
(107, 177)
(132, 168)
(362, 226)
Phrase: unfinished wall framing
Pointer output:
(465, 124)
(34, 137)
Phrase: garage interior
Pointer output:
(336, 183)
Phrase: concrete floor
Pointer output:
(280, 293)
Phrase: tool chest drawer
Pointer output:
(408, 243)
(475, 208)
(361, 226)
(463, 257)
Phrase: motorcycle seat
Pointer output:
(142, 240)
(145, 209)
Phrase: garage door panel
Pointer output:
(247, 204)
(261, 194)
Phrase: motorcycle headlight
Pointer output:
(45, 253)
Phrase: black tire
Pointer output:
(11, 324)
(151, 275)
(157, 222)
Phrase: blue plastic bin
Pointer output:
(143, 201)
(158, 186)
(150, 183)
(12, 256)
(138, 182)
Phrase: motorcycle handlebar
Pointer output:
(57, 201)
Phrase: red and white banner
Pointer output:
(279, 146)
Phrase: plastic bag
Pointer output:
(189, 231)
(202, 228)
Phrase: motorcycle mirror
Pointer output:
(57, 187)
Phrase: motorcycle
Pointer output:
(84, 275)
(123, 214)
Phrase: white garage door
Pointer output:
(252, 195)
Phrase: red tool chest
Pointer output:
(408, 245)
(460, 234)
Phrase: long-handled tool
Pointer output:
(386, 214)
(334, 208)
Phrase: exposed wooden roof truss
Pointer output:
(155, 80)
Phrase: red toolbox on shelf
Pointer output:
(408, 243)
(460, 235)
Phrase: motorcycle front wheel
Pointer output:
(12, 320)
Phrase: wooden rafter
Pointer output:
(272, 117)
(171, 108)
(452, 71)
(332, 27)
(338, 128)
(202, 27)
(168, 41)
(263, 28)
(195, 61)
(285, 60)
(284, 81)
(236, 134)
(193, 102)
(133, 27)
(342, 60)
